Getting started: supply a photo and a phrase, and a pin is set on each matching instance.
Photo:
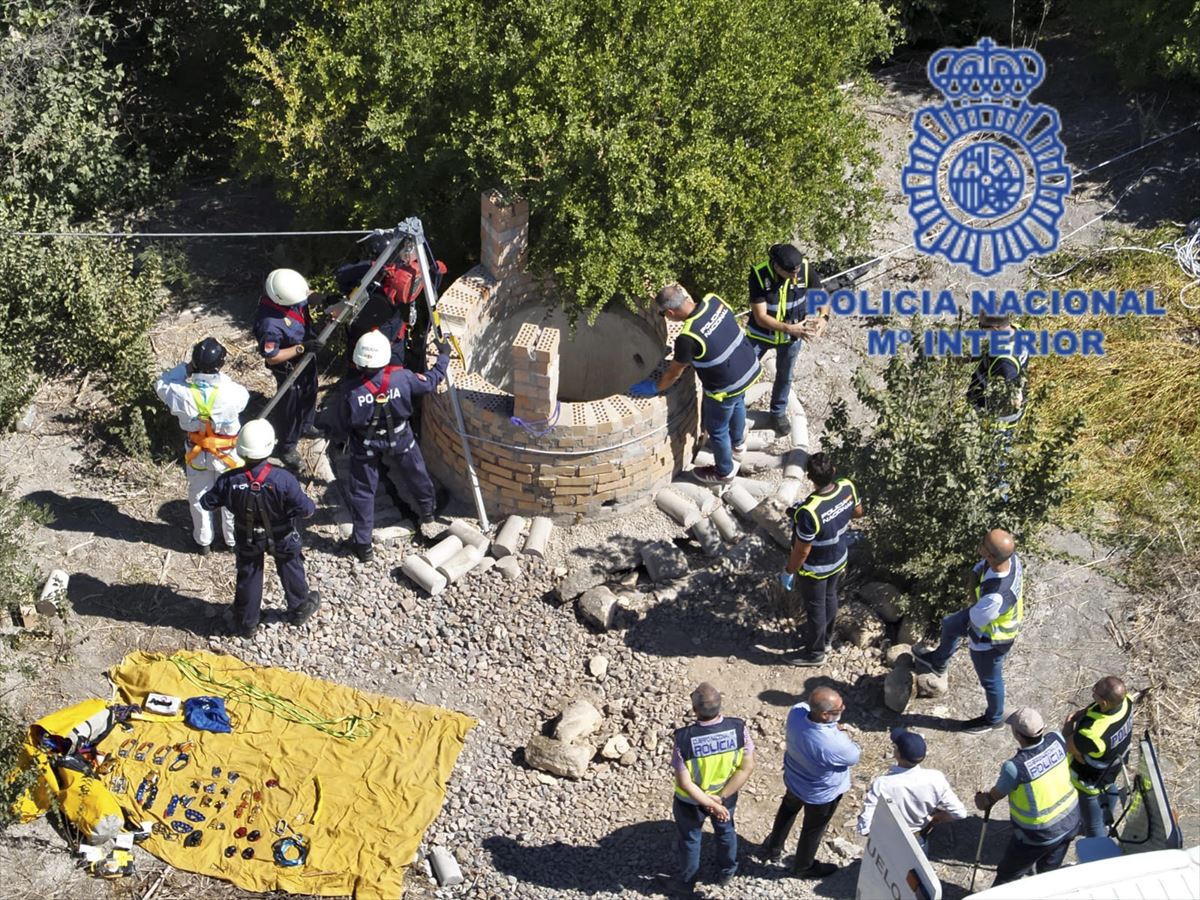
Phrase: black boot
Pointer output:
(305, 610)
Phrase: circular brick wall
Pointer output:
(594, 458)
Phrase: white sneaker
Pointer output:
(739, 451)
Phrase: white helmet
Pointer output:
(373, 351)
(287, 287)
(256, 440)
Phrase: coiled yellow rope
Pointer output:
(348, 727)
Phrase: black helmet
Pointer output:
(208, 356)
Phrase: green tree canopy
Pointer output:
(653, 140)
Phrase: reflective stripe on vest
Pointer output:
(712, 753)
(981, 379)
(726, 364)
(206, 440)
(832, 513)
(1004, 628)
(1044, 799)
(1110, 732)
(777, 304)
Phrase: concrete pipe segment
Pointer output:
(539, 534)
(680, 508)
(423, 575)
(508, 541)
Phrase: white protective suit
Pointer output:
(226, 399)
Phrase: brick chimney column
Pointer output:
(535, 372)
(503, 234)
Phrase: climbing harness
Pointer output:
(206, 440)
(256, 507)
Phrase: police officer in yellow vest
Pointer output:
(820, 549)
(1098, 739)
(712, 758)
(779, 318)
(712, 343)
(997, 384)
(207, 405)
(1042, 804)
(996, 587)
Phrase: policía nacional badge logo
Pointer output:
(986, 179)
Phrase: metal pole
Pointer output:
(357, 298)
(435, 323)
(979, 849)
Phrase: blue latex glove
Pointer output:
(786, 580)
(647, 387)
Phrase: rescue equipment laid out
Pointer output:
(269, 779)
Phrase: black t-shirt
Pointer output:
(686, 348)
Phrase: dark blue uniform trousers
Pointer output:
(364, 481)
(295, 411)
(289, 563)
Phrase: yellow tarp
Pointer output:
(374, 796)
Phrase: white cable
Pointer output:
(171, 234)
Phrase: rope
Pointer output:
(173, 234)
(550, 422)
(348, 727)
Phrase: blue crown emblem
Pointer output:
(986, 177)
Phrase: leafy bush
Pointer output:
(74, 306)
(60, 112)
(18, 576)
(956, 22)
(930, 471)
(1146, 39)
(652, 140)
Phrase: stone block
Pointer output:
(898, 687)
(598, 607)
(664, 561)
(883, 599)
(578, 720)
(558, 758)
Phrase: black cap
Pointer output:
(786, 257)
(208, 356)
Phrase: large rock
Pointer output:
(664, 561)
(578, 720)
(883, 598)
(598, 607)
(896, 652)
(858, 625)
(558, 757)
(911, 631)
(579, 580)
(930, 684)
(898, 687)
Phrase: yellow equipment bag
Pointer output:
(81, 721)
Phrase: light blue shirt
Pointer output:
(816, 766)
